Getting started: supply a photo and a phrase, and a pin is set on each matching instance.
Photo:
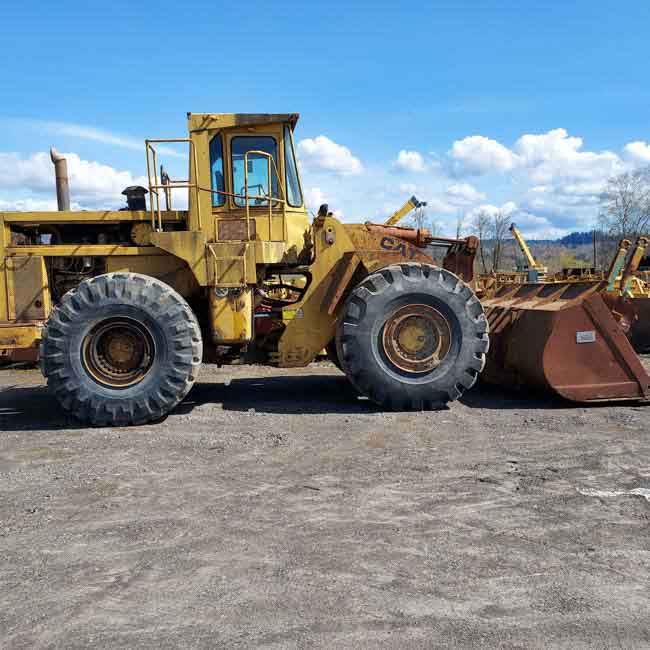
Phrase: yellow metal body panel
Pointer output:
(232, 264)
(188, 246)
(232, 317)
(309, 327)
(81, 250)
(27, 288)
(89, 217)
(14, 336)
(167, 268)
(5, 240)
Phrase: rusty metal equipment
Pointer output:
(640, 332)
(570, 338)
(566, 338)
(625, 279)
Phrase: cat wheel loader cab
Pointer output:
(126, 303)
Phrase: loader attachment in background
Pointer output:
(640, 334)
(567, 338)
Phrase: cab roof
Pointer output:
(202, 121)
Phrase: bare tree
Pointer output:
(419, 219)
(460, 223)
(422, 221)
(625, 205)
(500, 227)
(482, 227)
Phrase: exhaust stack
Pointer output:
(62, 183)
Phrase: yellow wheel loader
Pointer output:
(125, 303)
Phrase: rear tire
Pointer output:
(412, 337)
(121, 349)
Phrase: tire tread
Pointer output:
(133, 288)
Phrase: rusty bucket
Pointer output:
(566, 337)
(640, 334)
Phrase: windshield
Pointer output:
(216, 171)
(294, 194)
(258, 169)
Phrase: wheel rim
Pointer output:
(416, 338)
(118, 352)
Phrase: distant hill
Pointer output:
(571, 240)
(577, 238)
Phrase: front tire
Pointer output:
(121, 349)
(412, 337)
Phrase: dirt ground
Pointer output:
(276, 509)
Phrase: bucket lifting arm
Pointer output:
(632, 266)
(412, 204)
(616, 267)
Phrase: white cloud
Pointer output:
(476, 154)
(463, 194)
(410, 161)
(97, 135)
(539, 159)
(408, 188)
(556, 155)
(507, 208)
(638, 152)
(33, 205)
(438, 206)
(321, 153)
(90, 182)
(314, 198)
(532, 226)
(550, 173)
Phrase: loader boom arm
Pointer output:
(530, 260)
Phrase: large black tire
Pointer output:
(367, 359)
(332, 354)
(121, 349)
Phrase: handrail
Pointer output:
(270, 198)
(154, 187)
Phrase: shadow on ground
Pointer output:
(314, 394)
(33, 408)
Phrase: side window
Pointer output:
(216, 171)
(294, 193)
(258, 173)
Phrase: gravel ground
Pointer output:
(276, 509)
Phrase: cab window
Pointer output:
(258, 173)
(294, 194)
(216, 172)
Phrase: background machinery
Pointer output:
(535, 272)
(412, 204)
(572, 337)
(125, 303)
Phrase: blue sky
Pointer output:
(521, 105)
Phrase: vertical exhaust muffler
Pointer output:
(62, 182)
